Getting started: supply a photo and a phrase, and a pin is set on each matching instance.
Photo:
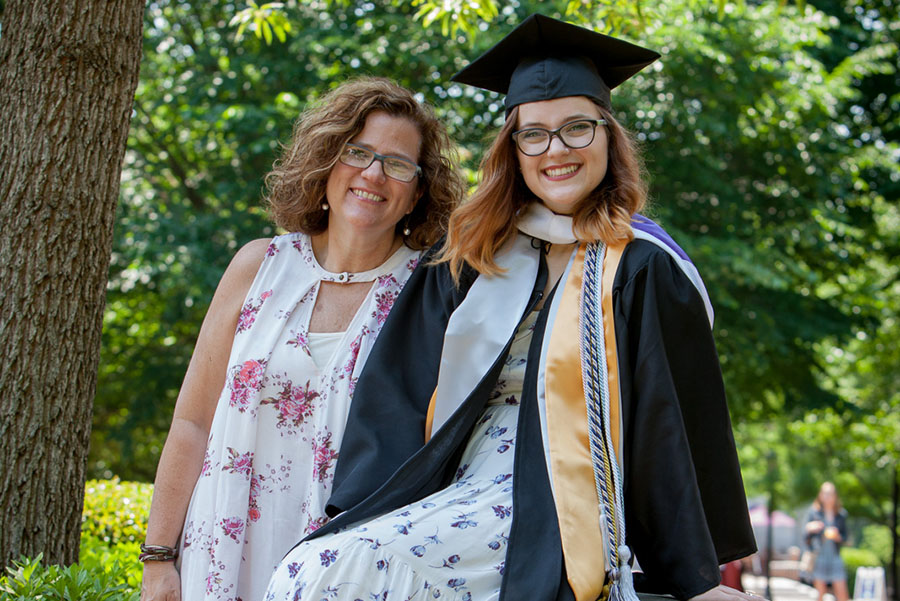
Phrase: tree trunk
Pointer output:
(68, 71)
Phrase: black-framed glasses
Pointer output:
(396, 168)
(533, 141)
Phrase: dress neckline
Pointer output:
(349, 277)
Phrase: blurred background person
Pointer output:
(826, 530)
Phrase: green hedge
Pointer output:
(855, 558)
(116, 511)
(112, 527)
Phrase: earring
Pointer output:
(324, 206)
(406, 230)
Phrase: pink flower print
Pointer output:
(271, 250)
(354, 352)
(310, 294)
(383, 303)
(253, 513)
(300, 340)
(324, 457)
(239, 463)
(213, 580)
(246, 378)
(411, 264)
(386, 280)
(249, 311)
(314, 524)
(307, 255)
(188, 534)
(232, 527)
(294, 404)
(207, 463)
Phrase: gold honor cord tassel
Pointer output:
(611, 261)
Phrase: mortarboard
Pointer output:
(544, 58)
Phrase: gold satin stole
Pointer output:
(572, 471)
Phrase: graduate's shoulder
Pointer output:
(641, 254)
(652, 242)
(438, 272)
(654, 258)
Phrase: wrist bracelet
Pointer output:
(157, 553)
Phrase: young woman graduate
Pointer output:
(557, 358)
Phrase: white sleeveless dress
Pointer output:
(451, 545)
(278, 425)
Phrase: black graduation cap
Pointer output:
(544, 58)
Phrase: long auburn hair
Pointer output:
(480, 226)
(295, 188)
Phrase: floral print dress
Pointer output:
(450, 545)
(278, 424)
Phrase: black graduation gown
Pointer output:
(685, 507)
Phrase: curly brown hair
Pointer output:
(298, 180)
(482, 225)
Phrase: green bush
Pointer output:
(98, 556)
(877, 539)
(855, 558)
(112, 527)
(116, 511)
(29, 580)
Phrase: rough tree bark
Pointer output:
(68, 71)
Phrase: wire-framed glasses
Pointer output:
(396, 168)
(533, 141)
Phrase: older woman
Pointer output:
(559, 356)
(363, 187)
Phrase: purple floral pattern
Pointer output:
(278, 424)
(450, 545)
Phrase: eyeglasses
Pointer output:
(533, 141)
(394, 167)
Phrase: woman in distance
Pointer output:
(826, 531)
(363, 187)
(556, 356)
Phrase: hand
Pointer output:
(161, 582)
(832, 533)
(815, 526)
(726, 593)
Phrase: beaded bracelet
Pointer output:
(157, 553)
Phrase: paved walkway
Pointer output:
(783, 589)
